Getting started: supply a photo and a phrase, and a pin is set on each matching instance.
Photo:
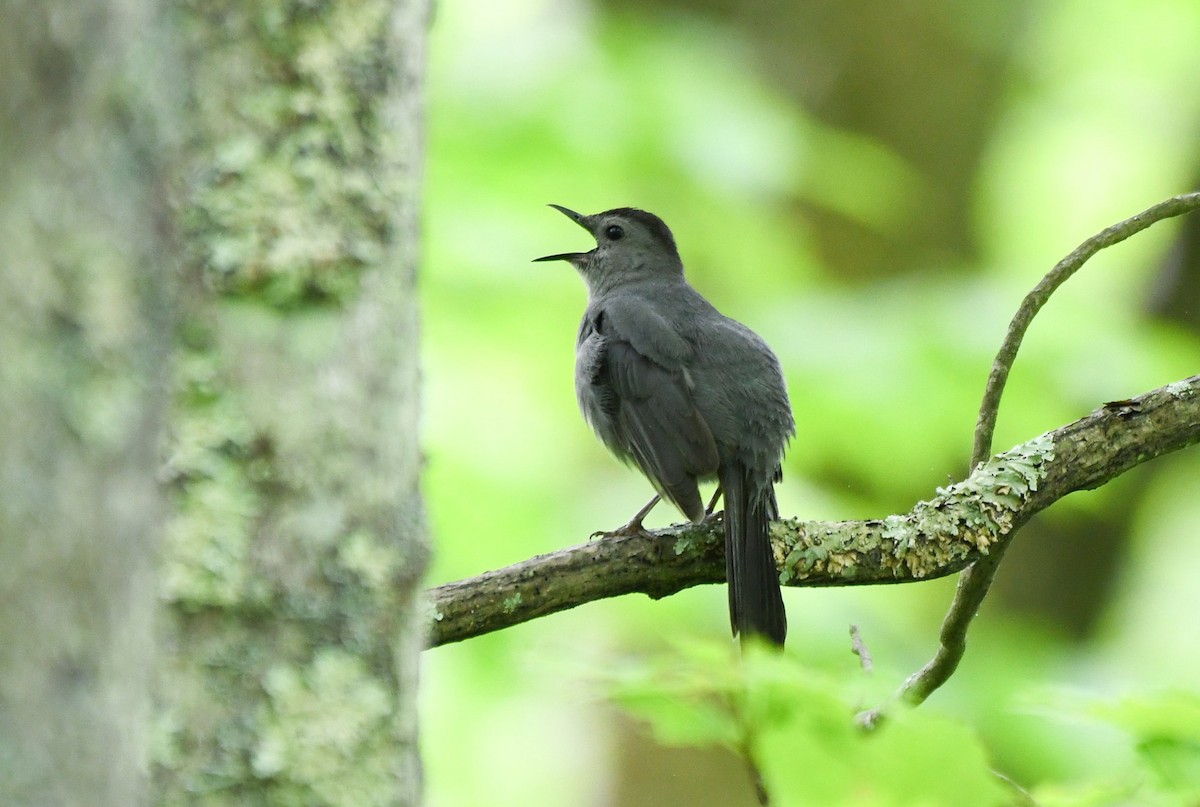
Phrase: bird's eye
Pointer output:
(614, 232)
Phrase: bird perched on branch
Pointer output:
(687, 395)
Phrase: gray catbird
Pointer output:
(686, 394)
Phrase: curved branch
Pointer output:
(975, 582)
(989, 408)
(962, 523)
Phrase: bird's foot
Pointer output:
(634, 527)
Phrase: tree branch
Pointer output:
(975, 582)
(1040, 295)
(961, 524)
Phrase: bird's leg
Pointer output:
(712, 503)
(635, 524)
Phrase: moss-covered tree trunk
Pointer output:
(85, 266)
(294, 561)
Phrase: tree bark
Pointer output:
(294, 561)
(86, 263)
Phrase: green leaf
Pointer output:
(797, 724)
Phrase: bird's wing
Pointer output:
(641, 405)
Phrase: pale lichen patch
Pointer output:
(325, 733)
(970, 516)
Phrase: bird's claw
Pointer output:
(631, 529)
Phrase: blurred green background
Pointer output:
(872, 187)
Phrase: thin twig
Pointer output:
(990, 406)
(974, 583)
(859, 648)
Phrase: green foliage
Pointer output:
(1164, 732)
(796, 724)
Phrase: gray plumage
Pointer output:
(686, 394)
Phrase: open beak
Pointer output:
(578, 218)
(578, 259)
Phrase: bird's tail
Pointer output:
(755, 602)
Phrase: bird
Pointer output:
(686, 394)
